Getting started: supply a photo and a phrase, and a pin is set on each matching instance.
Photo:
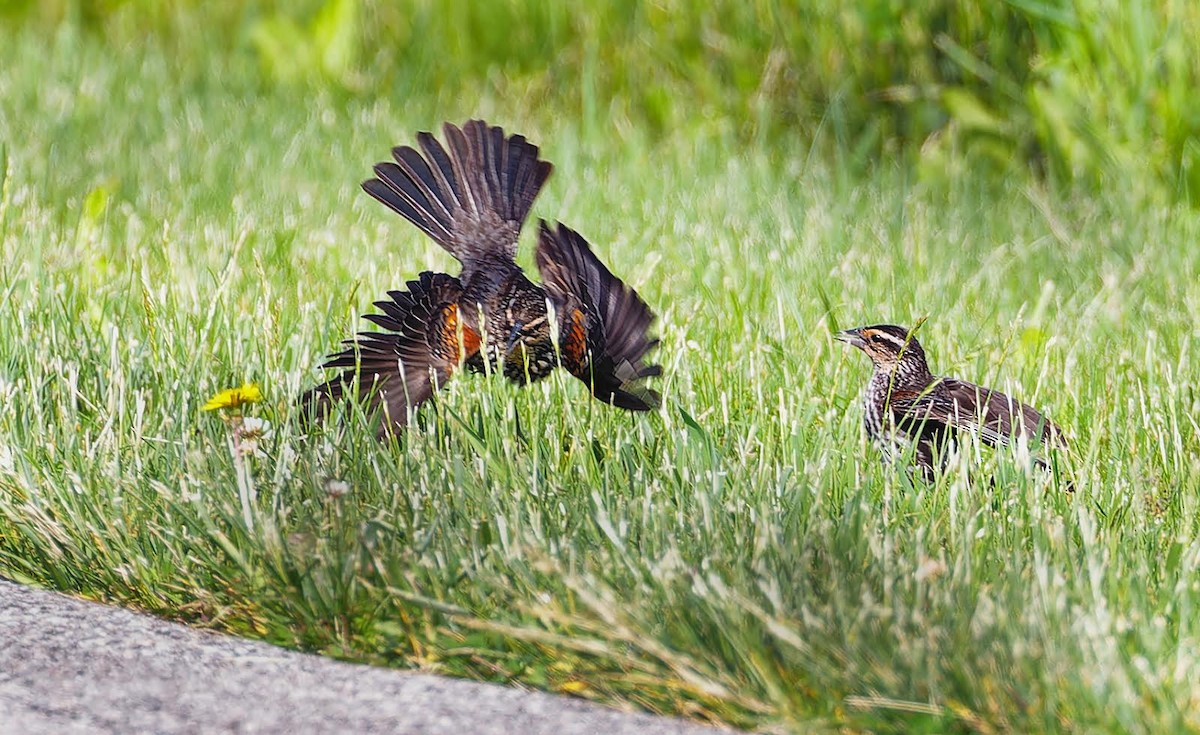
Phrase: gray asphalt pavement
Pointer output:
(69, 666)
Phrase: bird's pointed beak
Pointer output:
(852, 337)
(513, 337)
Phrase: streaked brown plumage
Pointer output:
(472, 197)
(905, 403)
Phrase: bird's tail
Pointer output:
(471, 199)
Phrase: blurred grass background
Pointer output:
(179, 212)
(1100, 91)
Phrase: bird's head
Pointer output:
(887, 345)
(528, 332)
(528, 348)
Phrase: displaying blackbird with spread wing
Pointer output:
(472, 197)
(905, 404)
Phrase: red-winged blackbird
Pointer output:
(472, 200)
(906, 403)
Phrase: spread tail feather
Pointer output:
(473, 199)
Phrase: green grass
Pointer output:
(740, 556)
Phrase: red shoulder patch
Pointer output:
(447, 336)
(573, 343)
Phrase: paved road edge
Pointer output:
(72, 666)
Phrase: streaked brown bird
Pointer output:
(472, 198)
(906, 404)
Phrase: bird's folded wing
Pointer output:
(995, 417)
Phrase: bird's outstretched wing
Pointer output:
(603, 324)
(399, 369)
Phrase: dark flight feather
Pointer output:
(616, 321)
(396, 371)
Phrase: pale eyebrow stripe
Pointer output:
(886, 335)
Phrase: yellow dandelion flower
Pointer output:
(573, 687)
(234, 397)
